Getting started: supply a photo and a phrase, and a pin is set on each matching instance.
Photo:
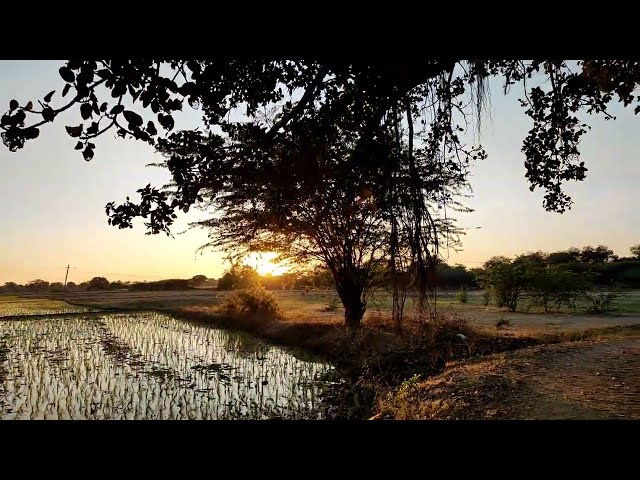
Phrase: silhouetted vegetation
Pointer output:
(362, 182)
(170, 284)
(99, 283)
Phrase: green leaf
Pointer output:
(85, 111)
(13, 104)
(103, 107)
(66, 88)
(151, 128)
(79, 146)
(74, 131)
(49, 96)
(67, 75)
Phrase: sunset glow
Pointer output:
(262, 262)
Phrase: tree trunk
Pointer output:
(354, 310)
(351, 293)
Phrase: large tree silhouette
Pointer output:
(297, 114)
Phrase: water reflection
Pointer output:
(148, 366)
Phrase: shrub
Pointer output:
(448, 333)
(486, 297)
(332, 306)
(253, 301)
(503, 323)
(462, 295)
(601, 302)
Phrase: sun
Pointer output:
(263, 264)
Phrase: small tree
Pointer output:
(599, 254)
(37, 284)
(10, 287)
(198, 280)
(506, 279)
(239, 276)
(56, 287)
(601, 301)
(98, 283)
(462, 295)
(551, 287)
(635, 250)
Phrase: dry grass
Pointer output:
(590, 379)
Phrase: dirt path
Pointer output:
(598, 379)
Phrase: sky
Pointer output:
(52, 201)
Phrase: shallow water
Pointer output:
(149, 366)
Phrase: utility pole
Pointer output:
(65, 278)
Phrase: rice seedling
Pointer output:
(149, 366)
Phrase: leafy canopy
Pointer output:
(306, 101)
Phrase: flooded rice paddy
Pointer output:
(149, 366)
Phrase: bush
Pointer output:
(503, 323)
(253, 301)
(332, 306)
(601, 302)
(447, 328)
(462, 295)
(486, 297)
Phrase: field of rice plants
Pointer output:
(148, 366)
(11, 306)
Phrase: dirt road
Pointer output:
(596, 379)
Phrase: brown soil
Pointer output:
(593, 379)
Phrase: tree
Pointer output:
(10, 286)
(454, 277)
(635, 250)
(366, 109)
(563, 257)
(71, 286)
(599, 254)
(552, 287)
(239, 276)
(117, 285)
(198, 280)
(508, 280)
(56, 287)
(319, 277)
(98, 283)
(37, 284)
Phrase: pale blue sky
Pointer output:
(53, 201)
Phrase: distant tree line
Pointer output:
(103, 284)
(550, 279)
